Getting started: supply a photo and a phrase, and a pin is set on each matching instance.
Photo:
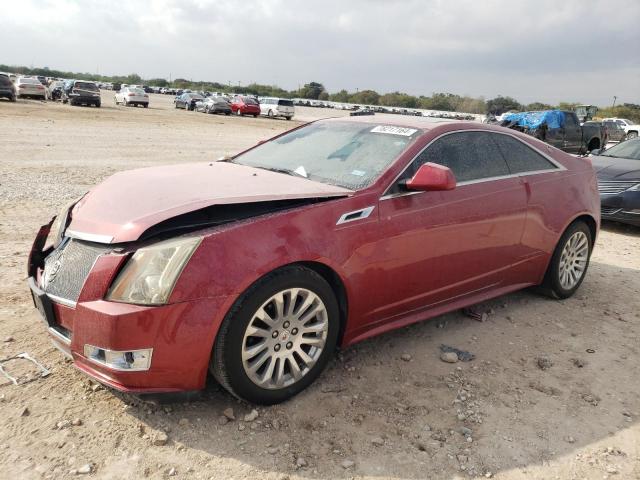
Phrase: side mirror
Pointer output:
(432, 177)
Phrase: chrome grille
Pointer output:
(612, 187)
(609, 210)
(67, 267)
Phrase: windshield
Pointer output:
(628, 122)
(285, 103)
(249, 101)
(629, 149)
(32, 81)
(86, 86)
(350, 155)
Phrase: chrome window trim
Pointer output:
(89, 237)
(364, 213)
(559, 166)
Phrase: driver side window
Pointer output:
(469, 155)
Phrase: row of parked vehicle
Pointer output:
(238, 104)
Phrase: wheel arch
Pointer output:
(337, 285)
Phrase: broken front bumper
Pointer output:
(176, 338)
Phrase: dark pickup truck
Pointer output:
(560, 129)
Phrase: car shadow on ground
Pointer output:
(620, 228)
(549, 378)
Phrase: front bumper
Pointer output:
(180, 334)
(621, 207)
(85, 99)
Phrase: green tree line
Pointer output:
(448, 102)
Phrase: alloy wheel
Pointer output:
(285, 338)
(574, 259)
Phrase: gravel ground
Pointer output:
(552, 393)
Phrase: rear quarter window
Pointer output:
(520, 157)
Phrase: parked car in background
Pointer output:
(214, 105)
(42, 80)
(7, 89)
(631, 129)
(30, 87)
(615, 131)
(130, 96)
(55, 89)
(256, 268)
(277, 107)
(81, 92)
(558, 128)
(618, 171)
(188, 100)
(244, 105)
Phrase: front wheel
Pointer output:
(278, 336)
(569, 263)
(631, 135)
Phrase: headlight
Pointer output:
(635, 188)
(150, 274)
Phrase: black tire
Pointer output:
(13, 98)
(255, 116)
(145, 105)
(631, 135)
(226, 362)
(551, 285)
(97, 105)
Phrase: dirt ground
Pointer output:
(387, 408)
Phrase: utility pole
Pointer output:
(614, 101)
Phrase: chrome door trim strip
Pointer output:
(62, 301)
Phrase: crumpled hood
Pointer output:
(126, 204)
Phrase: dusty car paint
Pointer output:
(410, 258)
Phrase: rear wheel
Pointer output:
(239, 113)
(277, 338)
(270, 113)
(569, 263)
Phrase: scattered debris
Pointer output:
(590, 350)
(348, 464)
(161, 439)
(228, 413)
(377, 441)
(25, 412)
(475, 314)
(85, 469)
(41, 373)
(578, 362)
(449, 357)
(8, 340)
(569, 439)
(589, 398)
(462, 355)
(406, 357)
(301, 462)
(250, 417)
(544, 363)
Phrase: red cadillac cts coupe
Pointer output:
(256, 268)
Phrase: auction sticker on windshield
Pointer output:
(405, 132)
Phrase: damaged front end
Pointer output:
(108, 305)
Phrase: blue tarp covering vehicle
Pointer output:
(533, 120)
(559, 128)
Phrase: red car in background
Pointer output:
(256, 268)
(242, 105)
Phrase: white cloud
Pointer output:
(546, 50)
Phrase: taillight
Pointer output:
(131, 94)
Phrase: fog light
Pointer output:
(131, 360)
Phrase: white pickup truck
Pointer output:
(630, 129)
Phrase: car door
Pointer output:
(440, 246)
(541, 176)
(573, 133)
